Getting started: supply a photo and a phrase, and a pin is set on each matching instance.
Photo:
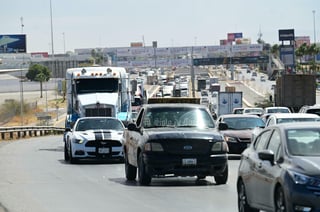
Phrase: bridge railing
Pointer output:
(10, 133)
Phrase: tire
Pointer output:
(223, 178)
(71, 158)
(279, 200)
(144, 178)
(131, 171)
(66, 154)
(243, 205)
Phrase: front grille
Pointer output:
(98, 112)
(185, 146)
(103, 143)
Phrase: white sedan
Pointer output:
(95, 138)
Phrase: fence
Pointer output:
(9, 133)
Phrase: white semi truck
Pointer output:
(98, 91)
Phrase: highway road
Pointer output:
(35, 178)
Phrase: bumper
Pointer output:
(160, 165)
(299, 197)
(79, 151)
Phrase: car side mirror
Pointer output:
(266, 155)
(67, 129)
(223, 126)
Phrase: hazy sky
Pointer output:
(117, 23)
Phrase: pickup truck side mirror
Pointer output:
(223, 126)
(132, 127)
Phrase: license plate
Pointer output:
(103, 150)
(189, 161)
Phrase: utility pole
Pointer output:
(192, 74)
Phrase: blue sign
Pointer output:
(287, 55)
(13, 43)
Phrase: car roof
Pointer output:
(174, 105)
(311, 106)
(277, 107)
(294, 115)
(297, 125)
(97, 117)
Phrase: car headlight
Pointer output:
(153, 147)
(78, 141)
(230, 139)
(299, 178)
(220, 147)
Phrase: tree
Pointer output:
(275, 50)
(97, 56)
(38, 73)
(311, 50)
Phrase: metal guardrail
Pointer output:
(9, 133)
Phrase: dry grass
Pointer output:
(30, 118)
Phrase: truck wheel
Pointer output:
(131, 171)
(144, 178)
(222, 179)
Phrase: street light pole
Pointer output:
(21, 97)
(52, 52)
(192, 75)
(64, 43)
(314, 25)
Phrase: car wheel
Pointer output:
(71, 158)
(243, 205)
(280, 204)
(222, 179)
(131, 171)
(66, 154)
(144, 178)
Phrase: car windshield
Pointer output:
(178, 117)
(303, 142)
(278, 110)
(94, 124)
(253, 110)
(242, 123)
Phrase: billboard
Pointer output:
(286, 34)
(287, 55)
(223, 42)
(234, 36)
(301, 40)
(136, 44)
(13, 43)
(228, 101)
